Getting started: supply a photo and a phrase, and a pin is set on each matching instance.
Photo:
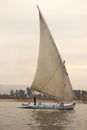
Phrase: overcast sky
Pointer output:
(19, 38)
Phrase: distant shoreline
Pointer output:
(25, 100)
(38, 100)
(14, 100)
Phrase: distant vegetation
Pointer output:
(22, 94)
(80, 95)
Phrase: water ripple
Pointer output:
(13, 118)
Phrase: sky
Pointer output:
(19, 38)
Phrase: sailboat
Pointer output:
(51, 76)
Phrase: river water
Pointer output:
(14, 118)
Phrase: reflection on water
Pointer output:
(53, 119)
(14, 118)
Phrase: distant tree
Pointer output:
(16, 93)
(0, 95)
(29, 92)
(12, 94)
(39, 95)
(5, 95)
(22, 93)
(83, 93)
(78, 94)
(45, 96)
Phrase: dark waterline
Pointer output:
(14, 118)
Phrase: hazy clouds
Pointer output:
(19, 38)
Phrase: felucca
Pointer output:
(51, 76)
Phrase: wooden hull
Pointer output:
(69, 106)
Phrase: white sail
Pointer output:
(50, 77)
(68, 93)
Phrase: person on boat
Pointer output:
(34, 100)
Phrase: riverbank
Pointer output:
(38, 100)
(13, 100)
(25, 100)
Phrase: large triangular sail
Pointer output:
(50, 77)
(68, 93)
